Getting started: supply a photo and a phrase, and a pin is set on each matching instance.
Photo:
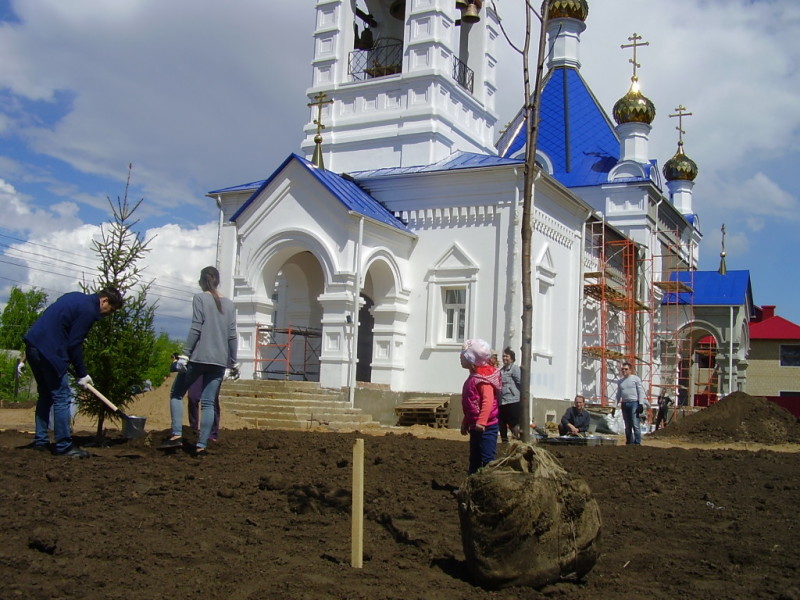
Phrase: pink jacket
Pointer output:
(471, 399)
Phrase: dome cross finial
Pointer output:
(635, 40)
(680, 113)
(321, 99)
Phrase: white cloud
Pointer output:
(23, 218)
(171, 87)
(756, 197)
(174, 262)
(60, 260)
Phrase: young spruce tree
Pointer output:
(119, 347)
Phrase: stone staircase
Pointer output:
(278, 404)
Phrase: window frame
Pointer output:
(796, 352)
(454, 270)
(459, 309)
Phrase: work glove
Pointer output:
(233, 372)
(21, 369)
(182, 364)
(84, 382)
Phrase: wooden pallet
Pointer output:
(424, 411)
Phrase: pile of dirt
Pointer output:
(738, 417)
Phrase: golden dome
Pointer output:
(568, 9)
(680, 166)
(634, 107)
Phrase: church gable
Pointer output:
(344, 190)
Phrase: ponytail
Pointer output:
(209, 282)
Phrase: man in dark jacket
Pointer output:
(54, 342)
(576, 419)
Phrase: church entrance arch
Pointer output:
(698, 374)
(383, 317)
(290, 346)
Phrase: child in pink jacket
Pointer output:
(479, 402)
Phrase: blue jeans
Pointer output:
(482, 447)
(56, 393)
(633, 426)
(194, 395)
(212, 379)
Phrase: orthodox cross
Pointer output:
(723, 268)
(723, 239)
(680, 112)
(635, 40)
(321, 100)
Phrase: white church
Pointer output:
(393, 234)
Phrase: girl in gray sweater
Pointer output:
(210, 348)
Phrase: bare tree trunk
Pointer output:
(531, 172)
(99, 436)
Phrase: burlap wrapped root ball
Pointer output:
(526, 521)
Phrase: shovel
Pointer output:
(132, 427)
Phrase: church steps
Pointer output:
(291, 405)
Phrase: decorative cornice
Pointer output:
(459, 216)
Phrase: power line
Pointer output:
(184, 288)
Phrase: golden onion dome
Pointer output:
(568, 9)
(634, 107)
(680, 167)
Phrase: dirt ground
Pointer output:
(267, 514)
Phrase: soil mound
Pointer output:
(738, 417)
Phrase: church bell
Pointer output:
(471, 12)
(461, 4)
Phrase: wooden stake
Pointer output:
(357, 531)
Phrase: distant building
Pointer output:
(774, 368)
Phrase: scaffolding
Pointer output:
(612, 304)
(705, 372)
(287, 353)
(671, 334)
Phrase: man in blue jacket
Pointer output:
(54, 342)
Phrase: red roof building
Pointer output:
(766, 325)
(774, 359)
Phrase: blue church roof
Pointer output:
(343, 189)
(238, 188)
(574, 131)
(709, 288)
(457, 160)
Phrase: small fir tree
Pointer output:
(119, 347)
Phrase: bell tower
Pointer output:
(411, 81)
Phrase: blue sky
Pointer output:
(201, 94)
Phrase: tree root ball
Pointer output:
(526, 521)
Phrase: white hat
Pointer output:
(477, 352)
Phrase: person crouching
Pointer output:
(479, 403)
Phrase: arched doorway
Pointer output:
(366, 324)
(290, 346)
(698, 370)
